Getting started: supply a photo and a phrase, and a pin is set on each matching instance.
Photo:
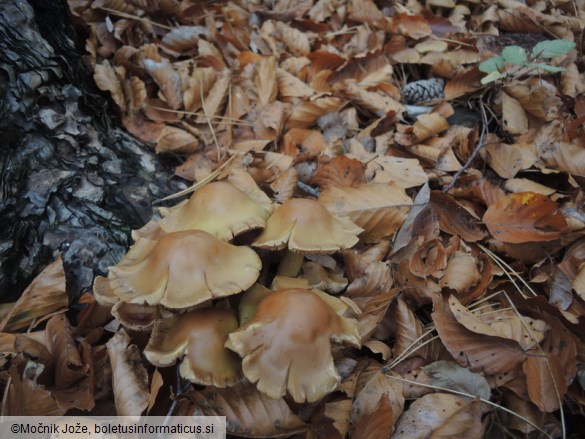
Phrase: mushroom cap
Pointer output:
(136, 316)
(183, 269)
(307, 227)
(218, 208)
(199, 336)
(103, 293)
(287, 345)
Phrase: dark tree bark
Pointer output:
(70, 180)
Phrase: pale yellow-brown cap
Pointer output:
(183, 269)
(198, 336)
(218, 208)
(286, 346)
(305, 226)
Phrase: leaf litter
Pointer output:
(452, 164)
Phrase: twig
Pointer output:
(480, 145)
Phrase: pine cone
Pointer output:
(424, 90)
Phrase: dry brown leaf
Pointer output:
(439, 415)
(247, 411)
(372, 387)
(69, 366)
(213, 102)
(546, 382)
(109, 79)
(365, 11)
(526, 331)
(380, 209)
(340, 172)
(564, 156)
(525, 217)
(379, 423)
(449, 375)
(291, 86)
(430, 259)
(373, 313)
(513, 115)
(173, 139)
(405, 172)
(183, 37)
(296, 41)
(408, 330)
(508, 160)
(196, 86)
(461, 273)
(306, 114)
(428, 125)
(168, 81)
(266, 81)
(24, 397)
(413, 26)
(454, 219)
(478, 352)
(129, 377)
(375, 101)
(285, 185)
(43, 297)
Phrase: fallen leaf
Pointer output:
(525, 217)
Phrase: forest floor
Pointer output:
(385, 232)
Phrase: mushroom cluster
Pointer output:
(199, 294)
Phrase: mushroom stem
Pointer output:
(290, 265)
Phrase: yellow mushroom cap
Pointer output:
(183, 269)
(286, 346)
(307, 227)
(200, 336)
(218, 208)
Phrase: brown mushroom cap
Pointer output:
(183, 269)
(287, 344)
(218, 208)
(200, 336)
(136, 316)
(307, 227)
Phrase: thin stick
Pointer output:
(480, 145)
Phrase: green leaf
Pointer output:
(552, 48)
(547, 68)
(493, 76)
(494, 64)
(514, 55)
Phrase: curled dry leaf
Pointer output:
(129, 377)
(340, 172)
(372, 387)
(449, 375)
(44, 296)
(440, 415)
(107, 79)
(172, 139)
(461, 273)
(69, 366)
(306, 114)
(454, 219)
(479, 352)
(525, 217)
(168, 80)
(380, 209)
